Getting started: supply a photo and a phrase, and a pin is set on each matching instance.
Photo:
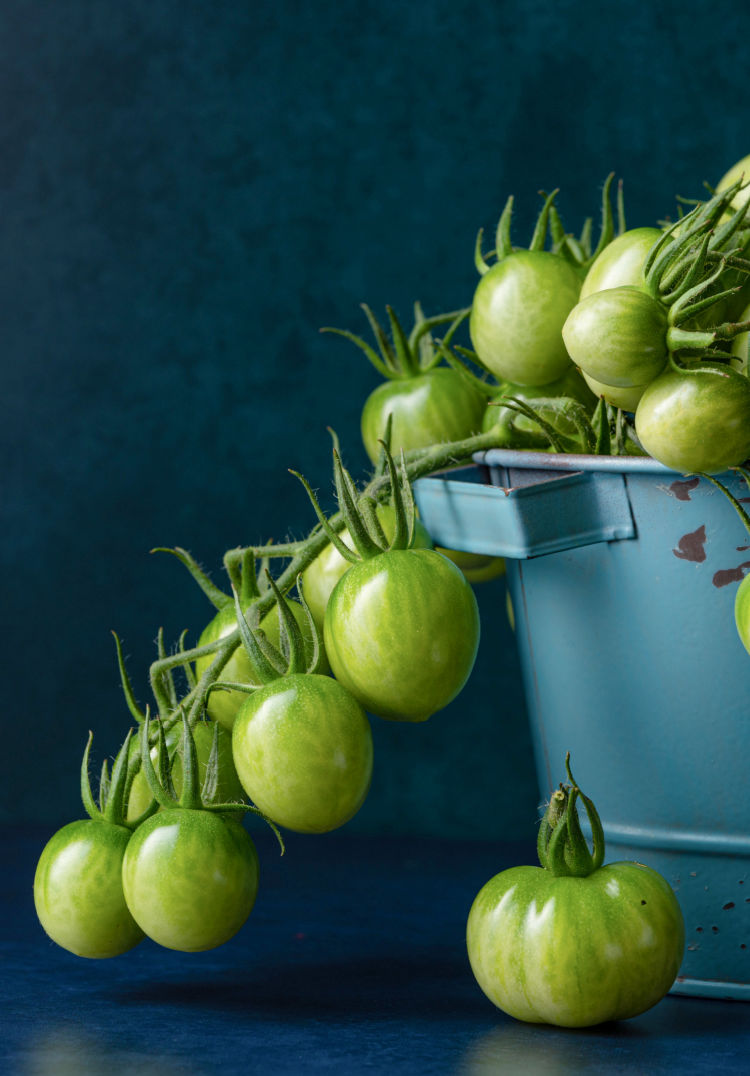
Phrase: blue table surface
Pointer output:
(353, 960)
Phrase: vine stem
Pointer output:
(419, 463)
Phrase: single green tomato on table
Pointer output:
(575, 951)
(519, 308)
(325, 571)
(190, 878)
(303, 751)
(401, 633)
(223, 704)
(78, 891)
(696, 419)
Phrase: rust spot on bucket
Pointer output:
(681, 489)
(691, 546)
(725, 576)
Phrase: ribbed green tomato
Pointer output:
(429, 408)
(223, 705)
(325, 571)
(575, 951)
(229, 789)
(518, 431)
(621, 261)
(618, 336)
(78, 890)
(401, 632)
(697, 419)
(517, 314)
(303, 751)
(742, 612)
(190, 878)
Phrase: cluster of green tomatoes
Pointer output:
(639, 345)
(287, 687)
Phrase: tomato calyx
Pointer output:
(402, 356)
(114, 787)
(194, 796)
(359, 511)
(561, 845)
(576, 250)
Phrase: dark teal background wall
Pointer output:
(188, 192)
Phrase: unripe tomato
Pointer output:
(697, 419)
(621, 261)
(517, 315)
(618, 337)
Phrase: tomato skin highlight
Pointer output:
(223, 705)
(431, 407)
(325, 571)
(696, 421)
(618, 336)
(78, 890)
(402, 632)
(576, 951)
(517, 314)
(190, 878)
(621, 261)
(742, 612)
(303, 751)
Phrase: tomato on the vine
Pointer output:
(325, 571)
(420, 402)
(519, 431)
(402, 631)
(303, 752)
(517, 314)
(621, 261)
(78, 890)
(697, 418)
(190, 878)
(223, 705)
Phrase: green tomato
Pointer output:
(325, 571)
(428, 408)
(303, 751)
(697, 419)
(190, 878)
(618, 336)
(625, 397)
(78, 890)
(518, 431)
(401, 632)
(742, 612)
(621, 261)
(575, 951)
(476, 567)
(517, 314)
(223, 705)
(229, 789)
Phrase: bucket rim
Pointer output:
(569, 461)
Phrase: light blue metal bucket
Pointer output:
(622, 575)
